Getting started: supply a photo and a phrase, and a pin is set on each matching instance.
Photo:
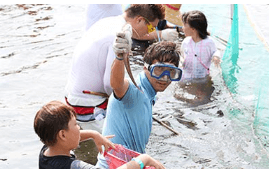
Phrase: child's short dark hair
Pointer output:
(50, 119)
(163, 51)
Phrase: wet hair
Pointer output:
(149, 11)
(164, 51)
(197, 20)
(50, 119)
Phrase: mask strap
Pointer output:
(136, 32)
(147, 66)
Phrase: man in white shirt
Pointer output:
(88, 84)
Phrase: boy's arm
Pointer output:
(121, 47)
(145, 159)
(117, 81)
(98, 139)
(87, 134)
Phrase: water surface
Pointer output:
(37, 42)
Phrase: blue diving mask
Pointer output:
(162, 70)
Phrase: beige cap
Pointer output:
(172, 14)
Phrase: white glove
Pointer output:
(169, 34)
(123, 41)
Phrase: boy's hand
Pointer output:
(103, 141)
(123, 41)
(149, 161)
(146, 160)
(121, 44)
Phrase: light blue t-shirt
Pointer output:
(130, 118)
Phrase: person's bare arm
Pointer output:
(117, 81)
(122, 47)
(146, 160)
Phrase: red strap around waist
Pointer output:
(172, 7)
(83, 110)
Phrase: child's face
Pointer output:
(73, 133)
(188, 31)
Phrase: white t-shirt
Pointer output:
(91, 62)
(197, 57)
(96, 12)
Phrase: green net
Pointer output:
(230, 57)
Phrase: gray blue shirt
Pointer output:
(130, 118)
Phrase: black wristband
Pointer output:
(119, 58)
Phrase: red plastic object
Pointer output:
(119, 156)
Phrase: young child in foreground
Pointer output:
(55, 124)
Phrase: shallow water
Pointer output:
(36, 45)
(36, 42)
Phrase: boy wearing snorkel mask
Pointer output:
(129, 113)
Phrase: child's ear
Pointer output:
(139, 19)
(61, 135)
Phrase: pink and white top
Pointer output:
(196, 58)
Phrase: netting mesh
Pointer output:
(119, 156)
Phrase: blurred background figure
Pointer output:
(168, 29)
(96, 12)
(173, 14)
